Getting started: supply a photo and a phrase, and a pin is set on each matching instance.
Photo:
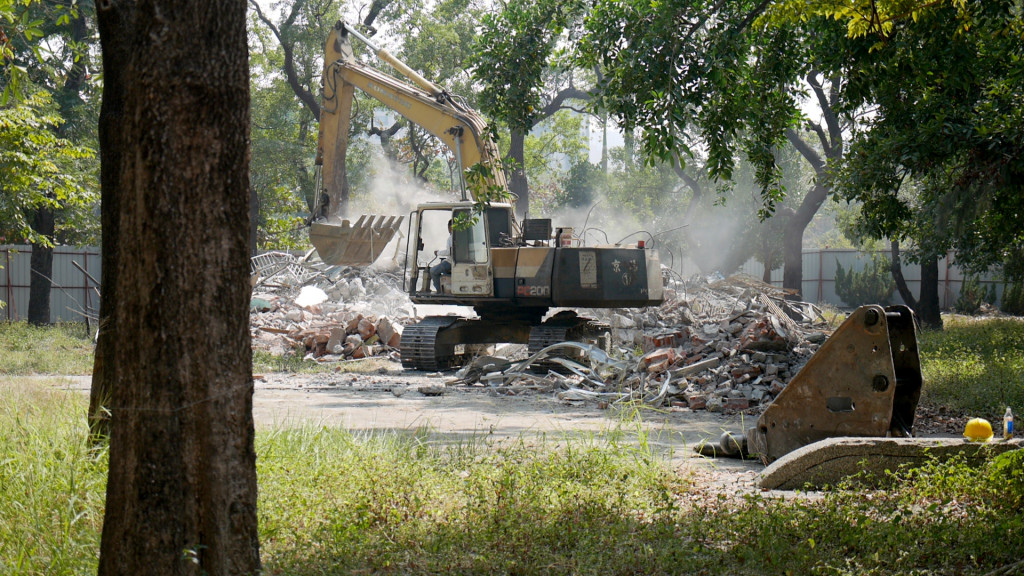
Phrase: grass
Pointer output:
(974, 366)
(333, 502)
(51, 486)
(58, 349)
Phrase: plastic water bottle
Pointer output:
(1008, 424)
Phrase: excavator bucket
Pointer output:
(341, 243)
(865, 380)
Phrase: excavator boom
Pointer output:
(461, 129)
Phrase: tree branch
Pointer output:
(810, 154)
(375, 10)
(828, 114)
(822, 137)
(305, 96)
(558, 103)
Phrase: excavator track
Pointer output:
(442, 342)
(420, 345)
(564, 327)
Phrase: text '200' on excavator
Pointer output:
(510, 273)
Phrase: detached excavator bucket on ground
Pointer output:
(865, 380)
(341, 243)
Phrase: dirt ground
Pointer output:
(390, 400)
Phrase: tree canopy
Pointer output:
(37, 168)
(938, 159)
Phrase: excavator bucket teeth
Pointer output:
(865, 380)
(342, 243)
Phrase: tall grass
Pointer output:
(59, 349)
(334, 503)
(51, 486)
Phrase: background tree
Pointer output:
(286, 60)
(432, 39)
(937, 164)
(48, 51)
(524, 83)
(711, 82)
(37, 167)
(181, 492)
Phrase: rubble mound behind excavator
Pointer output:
(720, 344)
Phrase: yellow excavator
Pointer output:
(511, 273)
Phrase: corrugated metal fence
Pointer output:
(819, 276)
(73, 293)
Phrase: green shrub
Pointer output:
(1013, 299)
(872, 285)
(1007, 478)
(991, 297)
(972, 296)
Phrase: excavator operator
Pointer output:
(444, 267)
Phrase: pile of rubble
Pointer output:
(719, 345)
(323, 313)
(728, 345)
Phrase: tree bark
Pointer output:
(793, 235)
(832, 146)
(518, 184)
(793, 239)
(41, 265)
(896, 268)
(181, 490)
(113, 22)
(928, 310)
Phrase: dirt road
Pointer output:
(391, 401)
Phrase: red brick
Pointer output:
(735, 403)
(365, 328)
(666, 355)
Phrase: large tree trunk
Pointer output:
(41, 265)
(181, 490)
(928, 310)
(793, 238)
(896, 269)
(518, 184)
(113, 23)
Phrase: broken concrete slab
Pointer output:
(828, 462)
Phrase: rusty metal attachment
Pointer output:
(865, 380)
(342, 243)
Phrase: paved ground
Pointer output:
(391, 401)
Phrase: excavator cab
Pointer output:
(472, 266)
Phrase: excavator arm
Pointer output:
(461, 129)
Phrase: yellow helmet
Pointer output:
(978, 430)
